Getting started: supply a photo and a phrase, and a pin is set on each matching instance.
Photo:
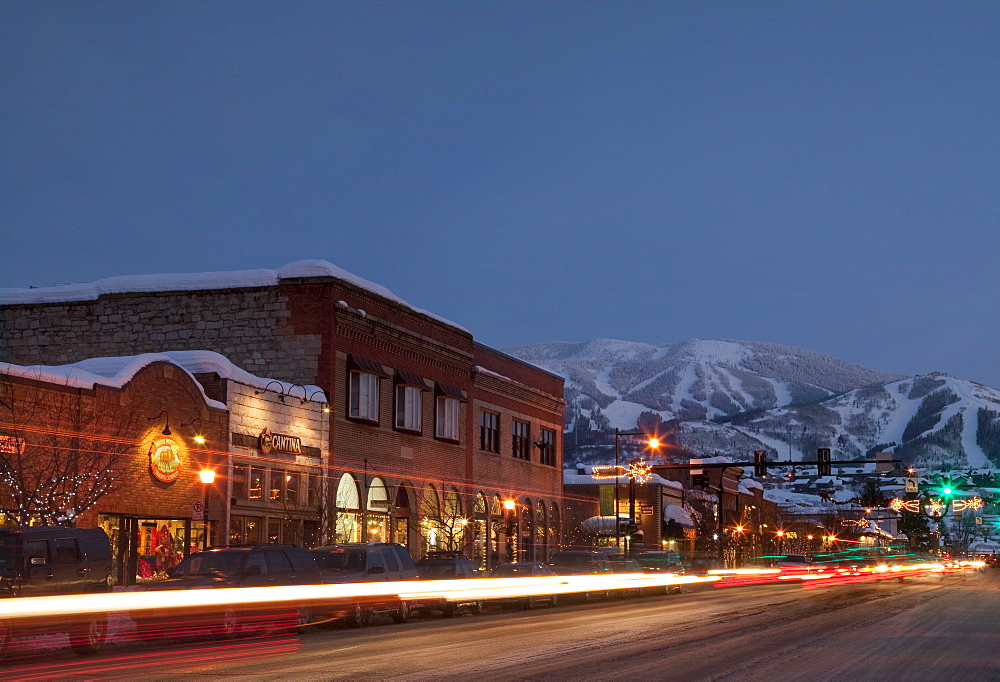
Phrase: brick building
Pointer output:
(111, 446)
(429, 431)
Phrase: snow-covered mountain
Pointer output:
(933, 421)
(732, 397)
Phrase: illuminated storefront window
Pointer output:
(348, 526)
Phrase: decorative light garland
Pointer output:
(613, 471)
(640, 471)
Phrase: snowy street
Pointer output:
(934, 627)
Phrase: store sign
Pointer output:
(276, 442)
(11, 445)
(164, 459)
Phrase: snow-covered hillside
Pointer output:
(737, 396)
(932, 421)
(693, 380)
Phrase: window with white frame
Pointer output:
(363, 399)
(446, 420)
(408, 413)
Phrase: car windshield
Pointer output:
(225, 563)
(572, 560)
(340, 560)
(793, 559)
(512, 571)
(436, 570)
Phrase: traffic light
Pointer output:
(760, 463)
(823, 462)
(700, 480)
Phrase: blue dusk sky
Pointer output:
(818, 174)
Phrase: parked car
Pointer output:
(804, 562)
(37, 561)
(622, 565)
(264, 565)
(358, 562)
(582, 562)
(526, 569)
(662, 561)
(449, 566)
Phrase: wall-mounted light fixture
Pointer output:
(280, 391)
(326, 403)
(198, 437)
(166, 429)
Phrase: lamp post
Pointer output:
(509, 506)
(207, 477)
(653, 443)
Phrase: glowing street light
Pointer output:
(207, 477)
(509, 506)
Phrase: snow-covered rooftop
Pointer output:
(238, 279)
(117, 371)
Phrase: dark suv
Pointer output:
(582, 562)
(266, 565)
(448, 566)
(360, 562)
(38, 561)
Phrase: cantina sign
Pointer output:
(276, 442)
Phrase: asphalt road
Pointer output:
(932, 628)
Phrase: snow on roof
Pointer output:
(718, 459)
(749, 483)
(111, 372)
(483, 370)
(202, 362)
(117, 371)
(673, 512)
(196, 281)
(787, 498)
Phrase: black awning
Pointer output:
(367, 365)
(451, 391)
(411, 379)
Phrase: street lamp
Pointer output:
(207, 477)
(653, 443)
(509, 506)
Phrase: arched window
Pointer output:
(453, 522)
(541, 532)
(555, 528)
(401, 514)
(430, 520)
(348, 528)
(480, 533)
(377, 508)
(526, 551)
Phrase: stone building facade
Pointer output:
(429, 431)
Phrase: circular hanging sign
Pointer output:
(164, 461)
